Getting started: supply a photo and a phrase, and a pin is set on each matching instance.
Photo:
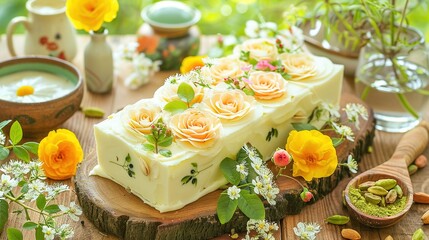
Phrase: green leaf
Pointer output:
(15, 133)
(337, 141)
(194, 164)
(225, 208)
(39, 233)
(251, 205)
(248, 92)
(176, 106)
(4, 213)
(165, 142)
(21, 153)
(303, 126)
(165, 152)
(4, 153)
(128, 158)
(30, 225)
(4, 123)
(185, 92)
(186, 179)
(24, 188)
(51, 209)
(32, 147)
(228, 168)
(150, 138)
(148, 147)
(41, 202)
(14, 234)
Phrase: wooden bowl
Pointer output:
(38, 118)
(373, 221)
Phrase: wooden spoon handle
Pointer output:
(412, 144)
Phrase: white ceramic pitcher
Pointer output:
(48, 30)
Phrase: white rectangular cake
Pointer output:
(220, 119)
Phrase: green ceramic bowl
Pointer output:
(43, 110)
(171, 18)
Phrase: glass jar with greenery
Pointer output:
(393, 71)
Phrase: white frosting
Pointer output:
(157, 179)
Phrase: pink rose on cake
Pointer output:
(168, 92)
(139, 117)
(196, 128)
(258, 49)
(229, 105)
(267, 85)
(224, 68)
(299, 66)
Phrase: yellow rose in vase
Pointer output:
(89, 15)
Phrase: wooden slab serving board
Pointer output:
(114, 210)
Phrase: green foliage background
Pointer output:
(219, 16)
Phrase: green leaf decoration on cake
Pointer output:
(303, 126)
(160, 136)
(272, 133)
(126, 165)
(186, 94)
(193, 173)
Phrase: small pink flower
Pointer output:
(305, 195)
(281, 158)
(264, 64)
(246, 68)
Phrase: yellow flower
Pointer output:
(190, 63)
(60, 153)
(314, 155)
(90, 14)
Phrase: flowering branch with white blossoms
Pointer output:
(143, 67)
(306, 231)
(249, 177)
(23, 184)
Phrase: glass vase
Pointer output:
(98, 61)
(393, 81)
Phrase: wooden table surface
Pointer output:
(383, 147)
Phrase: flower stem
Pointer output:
(407, 105)
(292, 178)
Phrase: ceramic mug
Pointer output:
(48, 30)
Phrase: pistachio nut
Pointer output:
(383, 201)
(337, 219)
(418, 235)
(387, 183)
(365, 185)
(377, 190)
(391, 196)
(372, 198)
(399, 191)
(93, 112)
(412, 169)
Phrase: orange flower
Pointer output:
(313, 153)
(147, 44)
(60, 153)
(190, 63)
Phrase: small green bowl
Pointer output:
(170, 18)
(38, 118)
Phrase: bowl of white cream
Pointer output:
(39, 92)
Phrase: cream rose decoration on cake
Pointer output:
(196, 128)
(139, 117)
(267, 85)
(224, 68)
(230, 105)
(299, 66)
(258, 49)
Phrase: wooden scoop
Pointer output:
(411, 145)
